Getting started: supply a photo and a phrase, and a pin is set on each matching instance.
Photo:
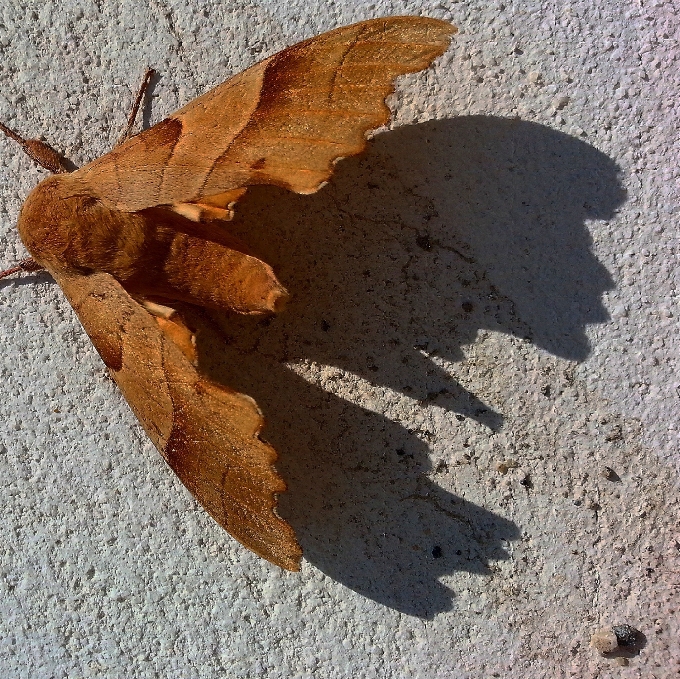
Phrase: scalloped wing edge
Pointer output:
(208, 433)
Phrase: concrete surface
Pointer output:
(491, 288)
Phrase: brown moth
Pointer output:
(145, 226)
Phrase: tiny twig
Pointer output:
(150, 72)
(28, 265)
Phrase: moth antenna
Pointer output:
(27, 265)
(39, 151)
(12, 134)
(146, 81)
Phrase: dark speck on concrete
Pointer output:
(424, 242)
(609, 474)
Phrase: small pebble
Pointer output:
(625, 635)
(604, 640)
(506, 465)
(609, 474)
(607, 640)
(560, 102)
(622, 662)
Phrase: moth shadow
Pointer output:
(146, 107)
(30, 279)
(439, 231)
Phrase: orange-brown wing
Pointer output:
(207, 433)
(284, 121)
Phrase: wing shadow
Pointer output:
(440, 230)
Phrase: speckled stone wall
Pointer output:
(474, 391)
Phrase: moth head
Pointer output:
(42, 221)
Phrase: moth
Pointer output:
(146, 226)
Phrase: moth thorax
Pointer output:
(64, 229)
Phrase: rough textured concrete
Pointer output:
(484, 321)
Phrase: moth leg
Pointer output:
(172, 324)
(39, 151)
(146, 81)
(28, 265)
(156, 310)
